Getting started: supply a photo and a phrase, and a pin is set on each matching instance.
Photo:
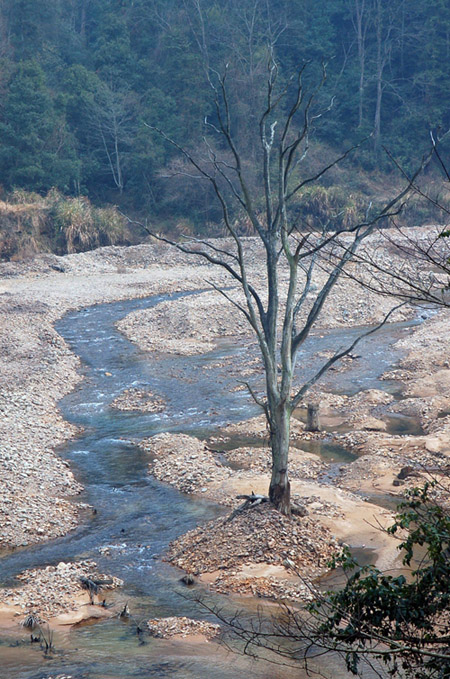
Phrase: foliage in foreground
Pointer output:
(403, 620)
(391, 625)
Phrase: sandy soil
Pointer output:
(40, 369)
(55, 595)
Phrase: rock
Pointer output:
(405, 471)
(299, 510)
(188, 579)
(139, 400)
(261, 536)
(53, 590)
(166, 628)
(373, 424)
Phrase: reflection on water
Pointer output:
(403, 425)
(136, 517)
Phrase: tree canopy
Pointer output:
(80, 78)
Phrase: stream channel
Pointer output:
(136, 516)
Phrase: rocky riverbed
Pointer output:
(167, 628)
(39, 492)
(257, 551)
(54, 594)
(38, 501)
(38, 369)
(391, 462)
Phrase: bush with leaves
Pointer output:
(79, 226)
(31, 223)
(394, 625)
(403, 620)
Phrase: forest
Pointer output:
(83, 81)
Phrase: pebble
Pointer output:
(39, 368)
(139, 400)
(47, 592)
(166, 628)
(259, 536)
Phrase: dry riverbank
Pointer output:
(55, 595)
(189, 326)
(38, 369)
(38, 501)
(388, 462)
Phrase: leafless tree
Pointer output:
(283, 314)
(360, 22)
(421, 273)
(112, 114)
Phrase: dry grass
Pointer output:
(30, 223)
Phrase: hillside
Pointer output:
(83, 82)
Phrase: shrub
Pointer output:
(30, 223)
(79, 226)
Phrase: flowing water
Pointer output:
(136, 517)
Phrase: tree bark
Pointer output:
(312, 421)
(360, 11)
(384, 28)
(280, 487)
(379, 77)
(83, 13)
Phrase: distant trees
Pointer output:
(36, 147)
(112, 114)
(388, 60)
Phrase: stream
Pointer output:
(136, 516)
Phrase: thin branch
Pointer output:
(340, 354)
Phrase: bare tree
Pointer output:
(360, 22)
(283, 314)
(383, 30)
(112, 114)
(421, 274)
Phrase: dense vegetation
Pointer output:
(79, 80)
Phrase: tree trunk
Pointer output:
(360, 32)
(382, 51)
(83, 14)
(377, 119)
(312, 421)
(280, 488)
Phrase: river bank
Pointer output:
(41, 369)
(39, 492)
